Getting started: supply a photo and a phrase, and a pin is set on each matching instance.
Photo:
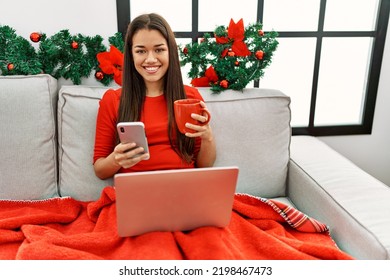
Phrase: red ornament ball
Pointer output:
(99, 75)
(75, 45)
(35, 37)
(10, 66)
(261, 33)
(259, 55)
(231, 53)
(224, 84)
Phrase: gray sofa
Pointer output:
(46, 147)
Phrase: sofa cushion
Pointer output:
(77, 111)
(28, 166)
(252, 131)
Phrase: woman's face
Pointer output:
(151, 56)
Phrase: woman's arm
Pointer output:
(106, 167)
(207, 153)
(123, 156)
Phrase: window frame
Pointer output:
(374, 69)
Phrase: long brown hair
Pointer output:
(134, 89)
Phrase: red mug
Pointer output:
(183, 110)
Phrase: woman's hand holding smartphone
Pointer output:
(134, 144)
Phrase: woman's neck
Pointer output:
(154, 89)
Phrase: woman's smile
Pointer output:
(151, 69)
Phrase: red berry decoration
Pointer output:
(261, 33)
(35, 37)
(75, 45)
(10, 66)
(259, 55)
(237, 63)
(99, 75)
(185, 50)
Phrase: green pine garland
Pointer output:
(61, 55)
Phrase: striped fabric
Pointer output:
(296, 218)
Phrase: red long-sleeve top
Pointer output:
(155, 118)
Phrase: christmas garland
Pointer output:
(230, 59)
(61, 55)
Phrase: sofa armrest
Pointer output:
(327, 186)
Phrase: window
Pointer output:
(328, 60)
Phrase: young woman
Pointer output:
(152, 81)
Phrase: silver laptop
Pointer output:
(174, 200)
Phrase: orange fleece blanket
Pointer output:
(64, 228)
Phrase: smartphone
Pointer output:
(133, 132)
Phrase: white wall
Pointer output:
(92, 17)
(88, 17)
